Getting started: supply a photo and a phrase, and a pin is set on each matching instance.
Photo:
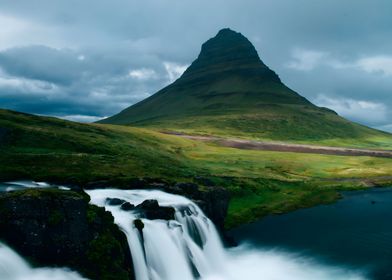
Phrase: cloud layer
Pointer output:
(82, 61)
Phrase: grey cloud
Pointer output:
(121, 36)
(49, 81)
(42, 63)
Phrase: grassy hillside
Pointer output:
(261, 182)
(288, 123)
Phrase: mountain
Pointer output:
(228, 90)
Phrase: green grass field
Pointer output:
(261, 182)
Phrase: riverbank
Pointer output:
(153, 221)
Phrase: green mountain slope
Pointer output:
(229, 91)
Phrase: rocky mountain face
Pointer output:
(228, 53)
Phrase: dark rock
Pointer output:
(213, 200)
(138, 224)
(216, 204)
(204, 181)
(148, 204)
(136, 183)
(127, 206)
(188, 189)
(52, 227)
(114, 201)
(101, 184)
(151, 210)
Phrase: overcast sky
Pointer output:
(83, 60)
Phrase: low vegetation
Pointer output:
(261, 182)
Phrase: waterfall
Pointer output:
(183, 249)
(13, 267)
(186, 247)
(190, 248)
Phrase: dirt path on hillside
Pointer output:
(287, 147)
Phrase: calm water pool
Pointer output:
(355, 232)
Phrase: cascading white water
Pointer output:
(190, 247)
(167, 249)
(13, 267)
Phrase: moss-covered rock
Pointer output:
(52, 227)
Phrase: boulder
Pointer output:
(114, 201)
(151, 210)
(139, 225)
(127, 206)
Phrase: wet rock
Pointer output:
(127, 206)
(148, 204)
(212, 200)
(139, 225)
(114, 201)
(151, 210)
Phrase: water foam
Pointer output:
(13, 267)
(190, 247)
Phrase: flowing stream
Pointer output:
(190, 247)
(13, 267)
(187, 248)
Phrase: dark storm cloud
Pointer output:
(88, 58)
(42, 63)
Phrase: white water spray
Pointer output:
(189, 248)
(13, 267)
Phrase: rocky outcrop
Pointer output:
(127, 206)
(51, 227)
(213, 200)
(150, 209)
(114, 201)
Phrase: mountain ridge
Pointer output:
(229, 90)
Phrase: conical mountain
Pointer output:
(228, 90)
(228, 53)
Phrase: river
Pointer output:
(325, 242)
(356, 232)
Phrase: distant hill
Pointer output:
(228, 90)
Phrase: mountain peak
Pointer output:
(227, 32)
(227, 78)
(229, 52)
